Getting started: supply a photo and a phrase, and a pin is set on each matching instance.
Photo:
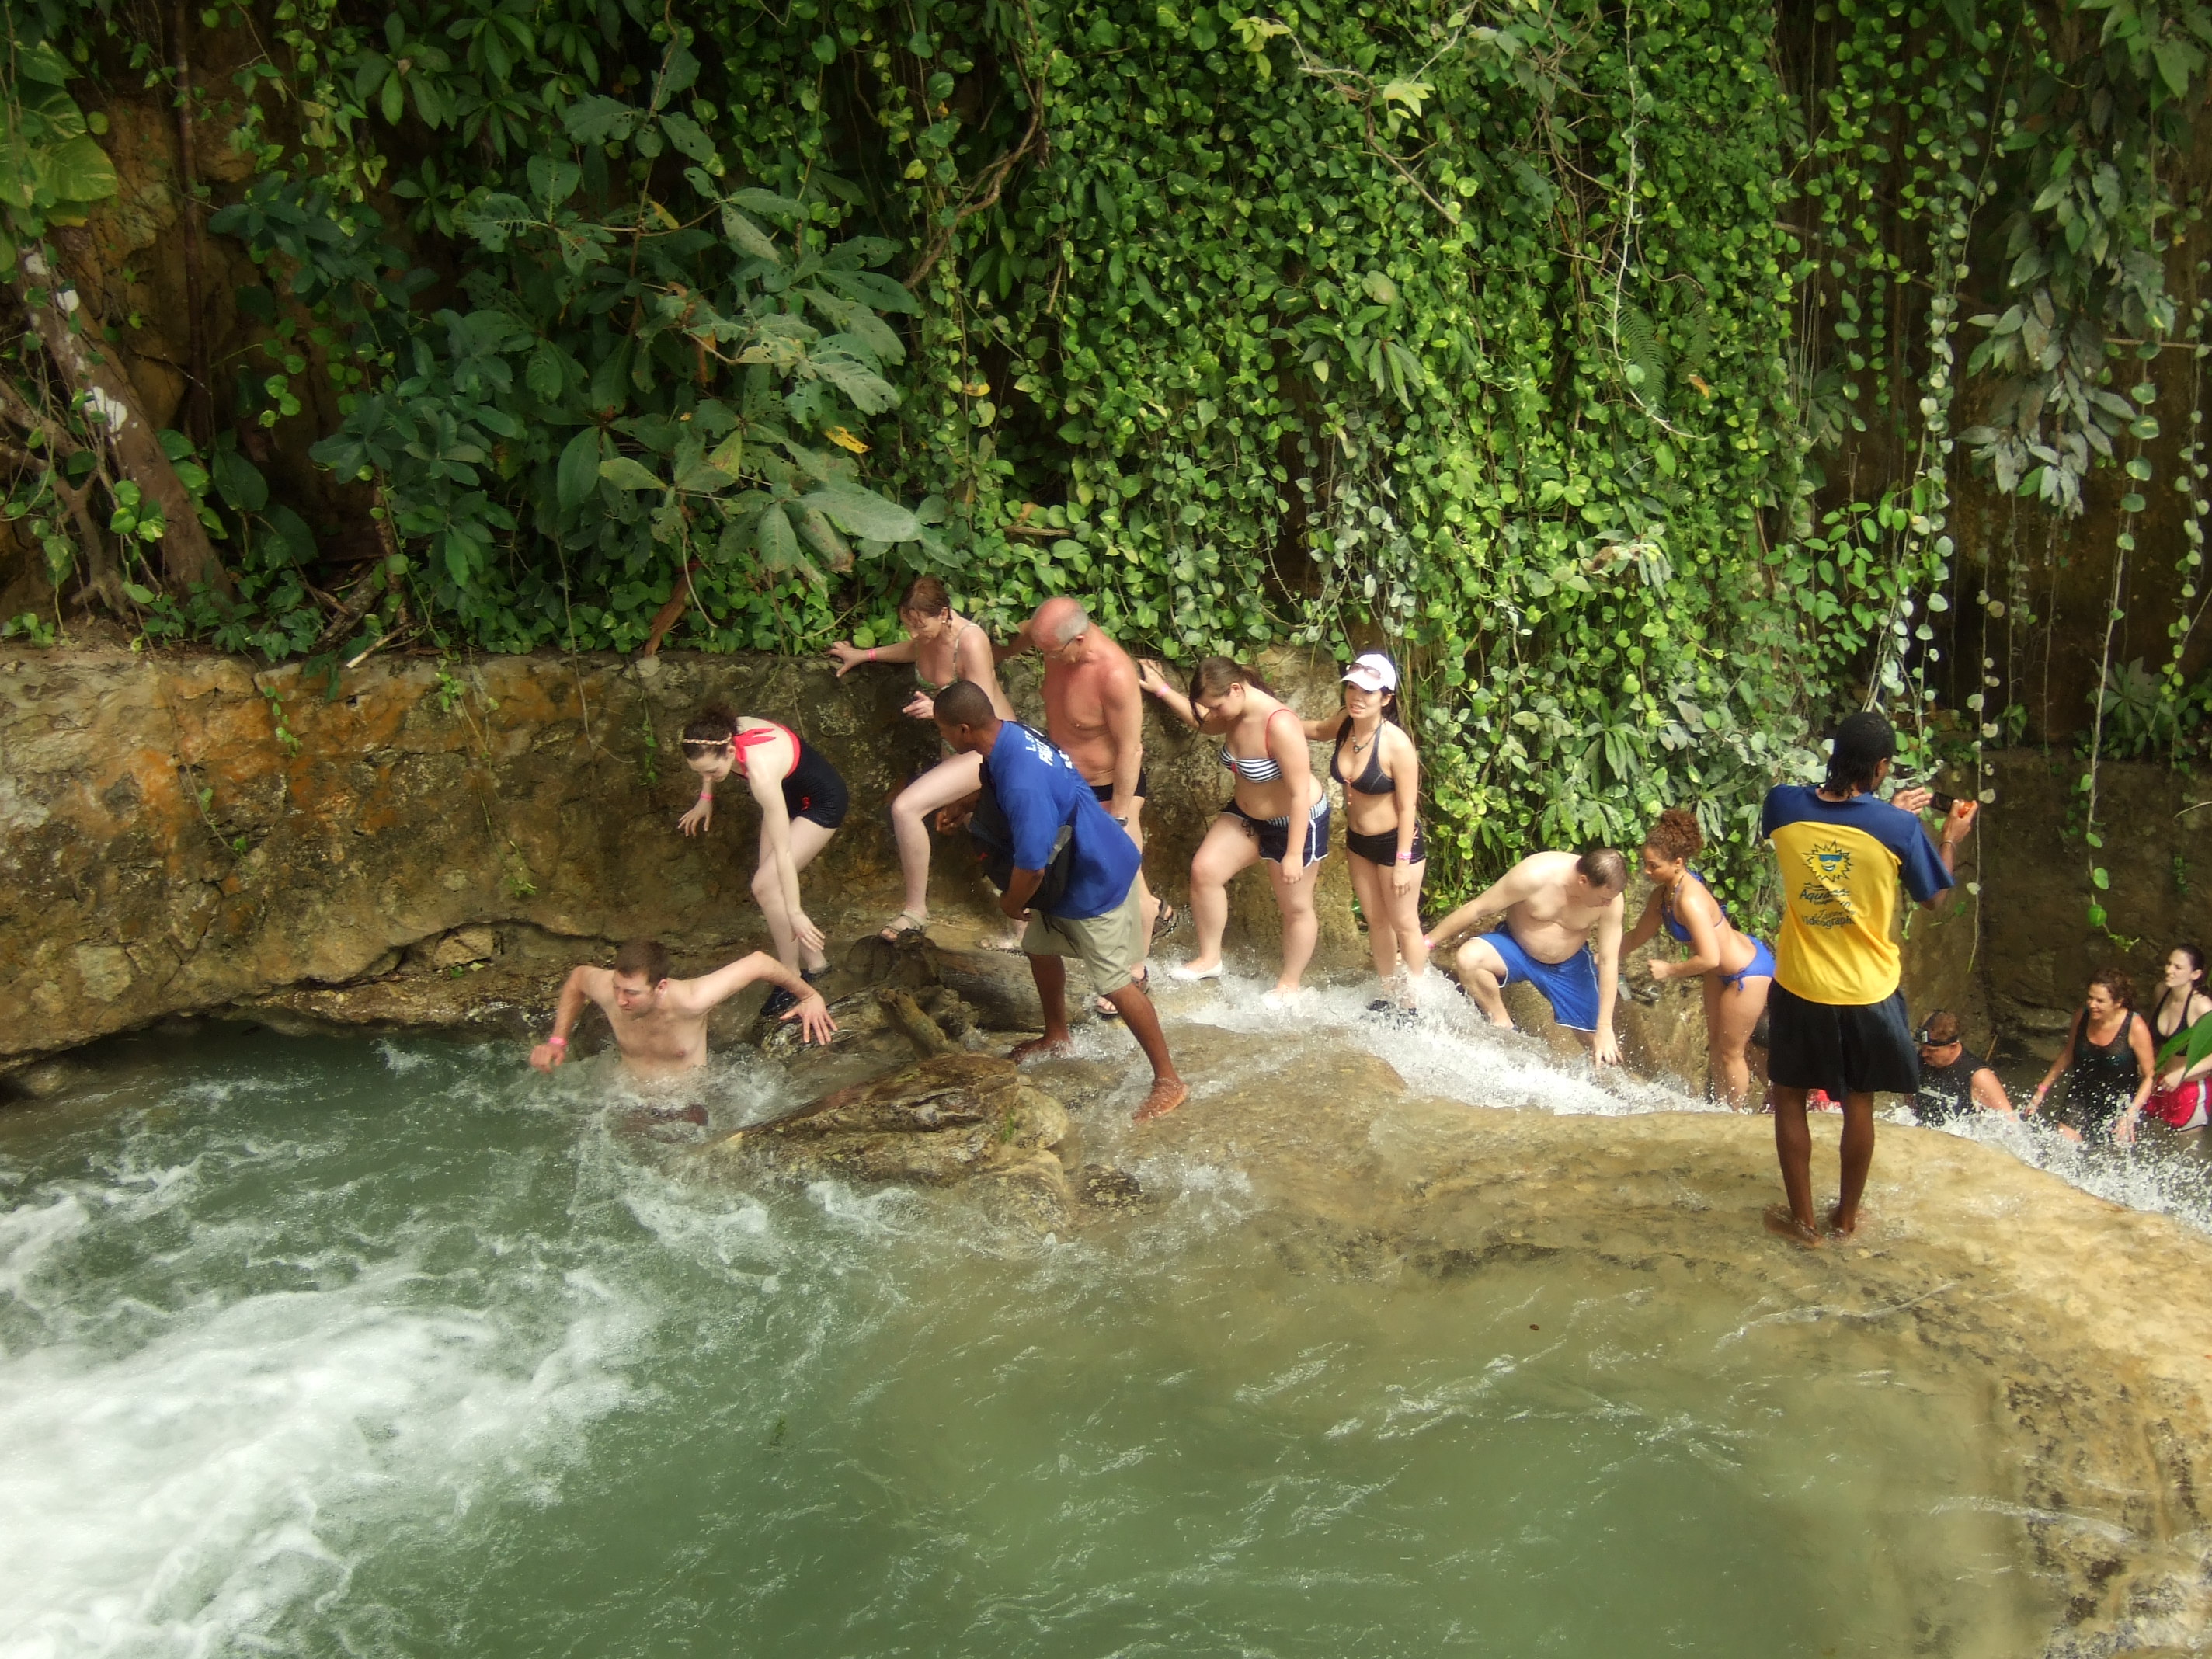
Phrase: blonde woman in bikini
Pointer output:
(1278, 815)
(944, 647)
(802, 801)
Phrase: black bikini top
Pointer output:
(1372, 781)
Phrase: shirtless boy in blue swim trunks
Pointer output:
(1563, 915)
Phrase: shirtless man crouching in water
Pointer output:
(1094, 712)
(659, 1023)
(1553, 903)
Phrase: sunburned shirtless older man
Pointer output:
(1556, 906)
(1094, 712)
(659, 1023)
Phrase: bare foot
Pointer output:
(1039, 1048)
(1167, 1094)
(1839, 1227)
(1783, 1225)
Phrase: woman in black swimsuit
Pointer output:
(2107, 1061)
(1381, 772)
(802, 801)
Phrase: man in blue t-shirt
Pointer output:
(1835, 1009)
(1058, 839)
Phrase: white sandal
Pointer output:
(1190, 975)
(893, 932)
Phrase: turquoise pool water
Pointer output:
(331, 1347)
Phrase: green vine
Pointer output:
(1604, 364)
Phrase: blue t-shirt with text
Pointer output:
(1039, 791)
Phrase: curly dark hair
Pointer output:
(1676, 834)
(2118, 984)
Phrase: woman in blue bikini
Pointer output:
(1736, 968)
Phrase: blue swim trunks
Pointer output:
(1571, 987)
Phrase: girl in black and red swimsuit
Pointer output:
(802, 801)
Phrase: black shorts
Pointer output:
(814, 791)
(1383, 848)
(1104, 793)
(1866, 1047)
(1274, 834)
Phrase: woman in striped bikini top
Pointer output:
(1278, 816)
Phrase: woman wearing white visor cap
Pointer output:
(1381, 772)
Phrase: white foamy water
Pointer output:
(398, 1349)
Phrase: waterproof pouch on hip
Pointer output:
(994, 847)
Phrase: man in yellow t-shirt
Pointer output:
(1835, 1010)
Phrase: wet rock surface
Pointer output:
(952, 1117)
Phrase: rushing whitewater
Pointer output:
(323, 1347)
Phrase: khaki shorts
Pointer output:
(1111, 947)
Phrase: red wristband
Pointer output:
(557, 1042)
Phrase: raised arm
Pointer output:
(1017, 642)
(775, 820)
(1154, 680)
(583, 985)
(1286, 742)
(1958, 825)
(1124, 706)
(697, 996)
(1325, 729)
(850, 656)
(1606, 1048)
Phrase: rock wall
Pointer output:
(184, 835)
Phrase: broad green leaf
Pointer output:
(870, 392)
(238, 481)
(753, 199)
(689, 136)
(79, 171)
(42, 62)
(578, 474)
(860, 511)
(598, 120)
(492, 216)
(702, 478)
(874, 288)
(825, 540)
(1409, 94)
(779, 548)
(748, 236)
(624, 473)
(543, 376)
(553, 179)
